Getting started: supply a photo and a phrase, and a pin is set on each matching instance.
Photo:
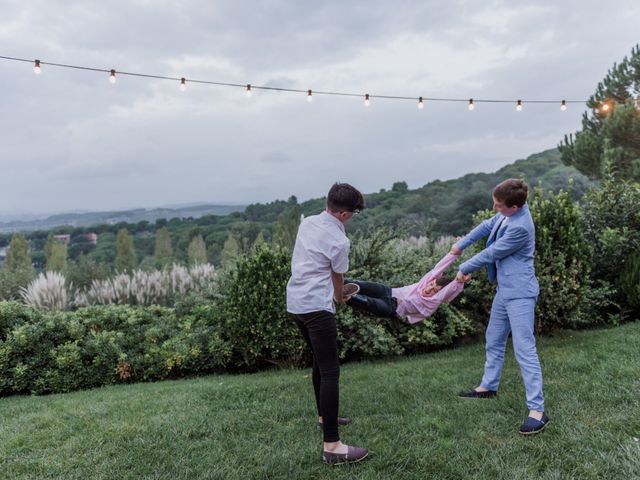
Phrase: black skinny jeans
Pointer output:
(374, 298)
(320, 332)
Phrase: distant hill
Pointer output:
(435, 209)
(87, 219)
(447, 207)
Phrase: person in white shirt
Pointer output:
(320, 260)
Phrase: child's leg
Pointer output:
(371, 289)
(381, 307)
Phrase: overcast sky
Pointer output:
(70, 140)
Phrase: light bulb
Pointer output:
(112, 76)
(366, 100)
(183, 84)
(248, 92)
(605, 107)
(519, 106)
(309, 96)
(420, 103)
(471, 104)
(563, 106)
(36, 67)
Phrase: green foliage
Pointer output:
(163, 251)
(611, 133)
(125, 253)
(230, 251)
(43, 352)
(18, 254)
(17, 272)
(57, 258)
(85, 270)
(286, 227)
(255, 310)
(611, 216)
(562, 263)
(197, 251)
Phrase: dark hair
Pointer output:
(511, 192)
(343, 197)
(442, 281)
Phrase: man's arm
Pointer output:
(513, 239)
(338, 281)
(481, 231)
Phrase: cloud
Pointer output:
(69, 139)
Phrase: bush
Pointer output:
(49, 352)
(563, 263)
(254, 310)
(611, 215)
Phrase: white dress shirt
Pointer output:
(321, 247)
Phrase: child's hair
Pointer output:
(442, 281)
(511, 192)
(344, 198)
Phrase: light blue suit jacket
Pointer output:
(509, 251)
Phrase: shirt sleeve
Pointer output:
(340, 258)
(512, 240)
(450, 291)
(481, 231)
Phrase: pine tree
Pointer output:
(18, 254)
(197, 251)
(612, 128)
(48, 247)
(125, 252)
(163, 251)
(286, 227)
(230, 250)
(57, 258)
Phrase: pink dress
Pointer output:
(416, 307)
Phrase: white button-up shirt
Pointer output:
(321, 247)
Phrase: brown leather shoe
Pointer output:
(341, 421)
(353, 455)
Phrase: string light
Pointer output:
(37, 64)
(420, 104)
(309, 96)
(183, 84)
(605, 107)
(563, 106)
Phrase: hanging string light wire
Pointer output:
(252, 87)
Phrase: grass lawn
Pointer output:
(405, 411)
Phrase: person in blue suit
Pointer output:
(508, 257)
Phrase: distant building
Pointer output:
(64, 238)
(92, 237)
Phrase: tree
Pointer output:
(18, 254)
(125, 253)
(57, 259)
(400, 187)
(163, 250)
(612, 129)
(230, 250)
(18, 270)
(197, 251)
(286, 228)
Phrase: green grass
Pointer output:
(405, 411)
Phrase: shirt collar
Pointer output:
(330, 218)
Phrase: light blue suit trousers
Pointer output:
(514, 315)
